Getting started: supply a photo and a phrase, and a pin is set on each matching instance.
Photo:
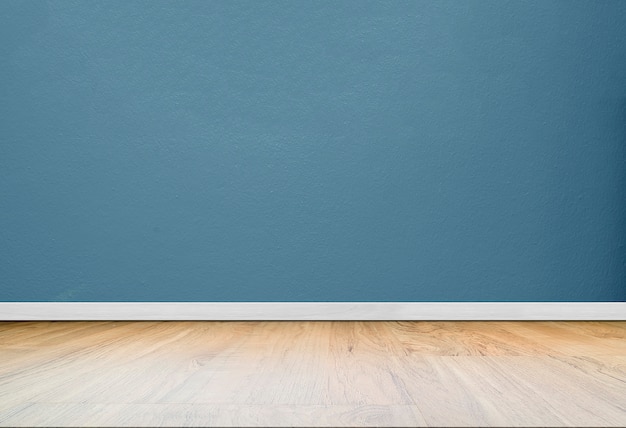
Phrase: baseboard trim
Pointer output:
(304, 311)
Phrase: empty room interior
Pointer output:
(355, 213)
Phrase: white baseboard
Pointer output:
(303, 311)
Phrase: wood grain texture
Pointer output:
(321, 373)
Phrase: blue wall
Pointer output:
(303, 151)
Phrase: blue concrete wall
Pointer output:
(300, 151)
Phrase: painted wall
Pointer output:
(312, 151)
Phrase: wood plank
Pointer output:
(576, 397)
(575, 338)
(202, 415)
(320, 373)
(444, 338)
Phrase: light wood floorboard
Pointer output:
(321, 373)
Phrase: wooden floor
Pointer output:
(313, 373)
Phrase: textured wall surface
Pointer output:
(312, 151)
